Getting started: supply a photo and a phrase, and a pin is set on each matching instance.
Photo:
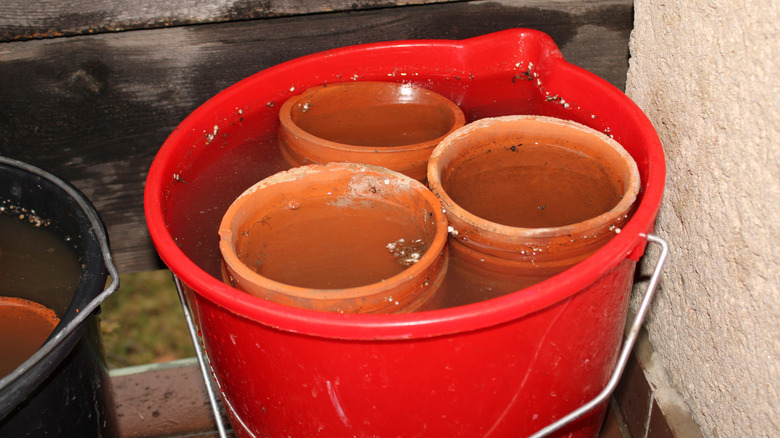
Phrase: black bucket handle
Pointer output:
(102, 239)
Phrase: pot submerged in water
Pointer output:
(528, 197)
(339, 237)
(379, 123)
(24, 325)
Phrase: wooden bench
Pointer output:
(90, 90)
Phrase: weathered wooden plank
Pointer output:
(95, 109)
(28, 19)
(168, 399)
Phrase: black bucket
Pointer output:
(63, 389)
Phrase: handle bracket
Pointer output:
(628, 345)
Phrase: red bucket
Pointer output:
(506, 367)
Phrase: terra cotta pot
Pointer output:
(338, 237)
(531, 195)
(25, 326)
(385, 124)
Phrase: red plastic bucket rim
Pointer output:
(629, 243)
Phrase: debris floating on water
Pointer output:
(407, 253)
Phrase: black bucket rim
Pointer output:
(36, 369)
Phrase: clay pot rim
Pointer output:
(285, 118)
(438, 244)
(521, 234)
(33, 307)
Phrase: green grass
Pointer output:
(143, 322)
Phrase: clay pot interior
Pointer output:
(534, 189)
(25, 326)
(338, 237)
(380, 123)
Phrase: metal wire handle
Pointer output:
(100, 234)
(628, 346)
(201, 360)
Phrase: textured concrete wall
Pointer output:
(707, 73)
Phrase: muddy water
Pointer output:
(319, 246)
(199, 200)
(36, 264)
(532, 186)
(40, 267)
(466, 284)
(381, 125)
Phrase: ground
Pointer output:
(143, 321)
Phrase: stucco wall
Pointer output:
(707, 73)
